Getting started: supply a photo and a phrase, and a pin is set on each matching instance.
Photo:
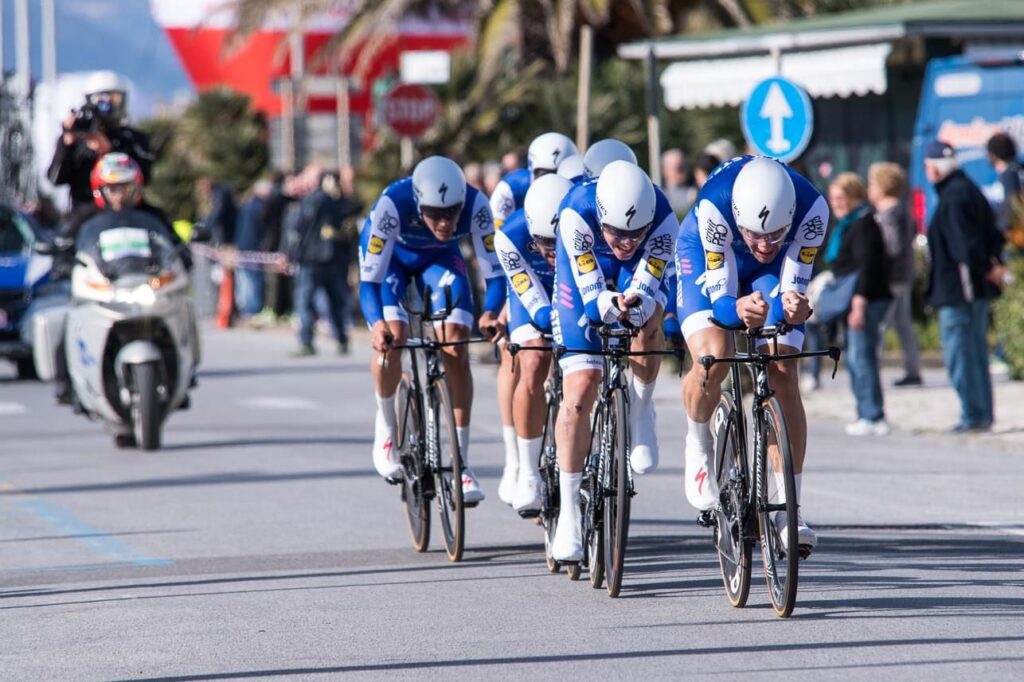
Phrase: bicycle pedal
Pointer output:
(393, 481)
(529, 513)
(706, 519)
(805, 551)
(470, 505)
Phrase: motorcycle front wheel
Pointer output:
(145, 409)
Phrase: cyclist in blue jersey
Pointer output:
(616, 236)
(571, 167)
(744, 255)
(543, 156)
(413, 232)
(526, 251)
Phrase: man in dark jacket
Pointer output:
(323, 252)
(965, 247)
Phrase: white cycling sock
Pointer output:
(529, 452)
(385, 422)
(569, 495)
(698, 435)
(643, 391)
(462, 433)
(508, 434)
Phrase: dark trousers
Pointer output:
(332, 278)
(962, 329)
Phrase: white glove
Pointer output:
(639, 315)
(607, 305)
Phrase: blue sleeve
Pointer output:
(542, 320)
(495, 294)
(370, 302)
(671, 327)
(724, 310)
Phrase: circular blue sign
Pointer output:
(777, 119)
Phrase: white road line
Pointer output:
(1008, 528)
(278, 403)
(8, 409)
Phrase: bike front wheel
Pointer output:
(448, 472)
(777, 493)
(618, 491)
(548, 467)
(733, 542)
(409, 437)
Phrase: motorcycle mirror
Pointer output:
(201, 233)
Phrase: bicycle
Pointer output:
(426, 439)
(747, 508)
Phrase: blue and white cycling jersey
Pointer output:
(715, 266)
(508, 195)
(586, 266)
(529, 277)
(395, 245)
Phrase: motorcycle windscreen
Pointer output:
(126, 243)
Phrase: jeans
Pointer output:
(899, 318)
(962, 329)
(248, 291)
(862, 362)
(332, 278)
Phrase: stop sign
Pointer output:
(410, 109)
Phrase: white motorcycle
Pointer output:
(131, 339)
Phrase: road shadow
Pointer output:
(288, 368)
(268, 441)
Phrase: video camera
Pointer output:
(88, 119)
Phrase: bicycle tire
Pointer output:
(591, 508)
(448, 473)
(732, 540)
(409, 437)
(548, 467)
(617, 497)
(781, 568)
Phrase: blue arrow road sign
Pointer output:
(777, 119)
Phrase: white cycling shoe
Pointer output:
(644, 455)
(471, 492)
(805, 536)
(385, 458)
(527, 498)
(701, 486)
(507, 486)
(567, 546)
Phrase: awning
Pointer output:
(841, 71)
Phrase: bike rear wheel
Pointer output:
(548, 467)
(592, 503)
(617, 493)
(732, 540)
(409, 437)
(777, 488)
(449, 473)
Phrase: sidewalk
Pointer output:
(930, 409)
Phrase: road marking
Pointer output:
(8, 409)
(1008, 528)
(278, 403)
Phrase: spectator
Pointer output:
(492, 176)
(676, 182)
(218, 209)
(722, 149)
(323, 253)
(276, 284)
(964, 243)
(855, 247)
(512, 160)
(249, 234)
(702, 168)
(886, 182)
(1002, 154)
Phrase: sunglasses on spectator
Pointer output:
(770, 239)
(626, 235)
(441, 213)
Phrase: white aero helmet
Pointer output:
(438, 183)
(571, 167)
(104, 81)
(625, 197)
(547, 151)
(763, 196)
(602, 153)
(542, 202)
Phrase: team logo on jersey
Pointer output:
(482, 217)
(586, 263)
(660, 246)
(655, 266)
(376, 245)
(388, 223)
(510, 260)
(715, 260)
(521, 282)
(581, 241)
(489, 242)
(508, 206)
(715, 233)
(807, 254)
(813, 228)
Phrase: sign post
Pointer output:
(777, 119)
(410, 110)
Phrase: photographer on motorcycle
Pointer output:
(94, 129)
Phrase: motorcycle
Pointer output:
(131, 339)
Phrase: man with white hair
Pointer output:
(966, 274)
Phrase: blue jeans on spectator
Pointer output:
(862, 362)
(248, 291)
(963, 330)
(331, 277)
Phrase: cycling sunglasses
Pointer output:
(545, 242)
(770, 239)
(539, 172)
(441, 213)
(626, 235)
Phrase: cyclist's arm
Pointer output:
(482, 231)
(577, 238)
(376, 245)
(799, 263)
(503, 204)
(720, 275)
(655, 264)
(523, 282)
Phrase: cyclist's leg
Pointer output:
(529, 406)
(506, 380)
(387, 376)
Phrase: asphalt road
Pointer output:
(260, 543)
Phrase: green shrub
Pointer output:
(1009, 319)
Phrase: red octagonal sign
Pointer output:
(410, 110)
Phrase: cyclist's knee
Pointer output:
(532, 368)
(579, 392)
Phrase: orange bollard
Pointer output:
(226, 298)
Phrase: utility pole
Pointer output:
(344, 123)
(653, 124)
(21, 42)
(49, 43)
(583, 89)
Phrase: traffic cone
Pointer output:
(226, 298)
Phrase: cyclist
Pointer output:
(571, 167)
(543, 156)
(526, 251)
(616, 235)
(744, 255)
(413, 231)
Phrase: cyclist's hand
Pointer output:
(492, 327)
(752, 310)
(796, 307)
(381, 337)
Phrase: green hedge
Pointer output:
(1009, 319)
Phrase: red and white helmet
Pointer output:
(115, 168)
